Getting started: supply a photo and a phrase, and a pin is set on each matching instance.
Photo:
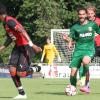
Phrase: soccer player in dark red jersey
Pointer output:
(91, 13)
(20, 60)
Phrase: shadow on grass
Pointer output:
(93, 93)
(52, 93)
(5, 97)
(62, 93)
(56, 84)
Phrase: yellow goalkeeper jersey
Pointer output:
(49, 52)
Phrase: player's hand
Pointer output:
(41, 60)
(59, 59)
(36, 48)
(69, 45)
(65, 36)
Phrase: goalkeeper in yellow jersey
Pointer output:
(50, 52)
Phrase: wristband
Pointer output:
(30, 43)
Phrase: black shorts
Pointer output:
(21, 56)
(97, 51)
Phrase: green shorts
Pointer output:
(78, 56)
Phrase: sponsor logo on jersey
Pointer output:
(89, 29)
(78, 30)
(86, 34)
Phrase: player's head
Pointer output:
(91, 12)
(48, 40)
(82, 14)
(3, 12)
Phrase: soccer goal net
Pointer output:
(61, 45)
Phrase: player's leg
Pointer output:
(76, 62)
(81, 71)
(82, 76)
(25, 68)
(17, 82)
(16, 79)
(86, 60)
(73, 78)
(50, 64)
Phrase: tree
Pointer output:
(13, 6)
(43, 15)
(40, 16)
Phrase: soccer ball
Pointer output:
(70, 90)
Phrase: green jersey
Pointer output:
(84, 35)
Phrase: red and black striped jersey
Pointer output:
(10, 26)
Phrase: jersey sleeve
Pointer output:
(73, 34)
(96, 28)
(11, 24)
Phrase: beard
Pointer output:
(82, 19)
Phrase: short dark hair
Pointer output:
(81, 8)
(46, 37)
(2, 9)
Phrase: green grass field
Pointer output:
(46, 89)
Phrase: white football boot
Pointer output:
(20, 97)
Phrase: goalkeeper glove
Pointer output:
(59, 59)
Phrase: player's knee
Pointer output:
(86, 60)
(85, 63)
(24, 73)
(12, 71)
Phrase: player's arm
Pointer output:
(12, 24)
(72, 37)
(70, 43)
(68, 39)
(43, 54)
(6, 43)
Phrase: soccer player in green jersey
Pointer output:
(83, 33)
(91, 15)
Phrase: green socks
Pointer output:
(73, 80)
